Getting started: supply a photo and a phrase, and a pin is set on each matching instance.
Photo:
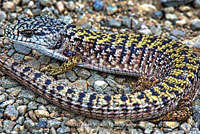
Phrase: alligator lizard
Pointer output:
(127, 54)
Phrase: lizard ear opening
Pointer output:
(27, 32)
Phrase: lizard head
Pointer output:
(38, 33)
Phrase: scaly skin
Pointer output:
(131, 54)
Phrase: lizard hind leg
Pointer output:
(73, 61)
(181, 113)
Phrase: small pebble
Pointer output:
(112, 23)
(63, 130)
(184, 8)
(157, 15)
(171, 124)
(8, 125)
(11, 112)
(171, 17)
(71, 75)
(8, 6)
(186, 127)
(2, 16)
(71, 123)
(3, 97)
(111, 10)
(196, 3)
(22, 109)
(41, 113)
(70, 5)
(178, 33)
(18, 57)
(169, 10)
(195, 25)
(98, 5)
(22, 49)
(32, 116)
(42, 124)
(28, 94)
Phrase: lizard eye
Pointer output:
(27, 32)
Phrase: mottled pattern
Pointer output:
(129, 54)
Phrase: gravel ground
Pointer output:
(22, 111)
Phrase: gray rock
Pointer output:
(196, 3)
(36, 12)
(10, 52)
(171, 17)
(146, 124)
(20, 120)
(126, 21)
(72, 123)
(2, 16)
(44, 59)
(11, 112)
(195, 25)
(28, 94)
(9, 83)
(42, 100)
(178, 33)
(170, 3)
(158, 131)
(37, 132)
(42, 123)
(22, 109)
(41, 113)
(100, 85)
(98, 5)
(111, 9)
(169, 10)
(94, 78)
(186, 127)
(25, 2)
(29, 124)
(176, 132)
(112, 23)
(196, 115)
(32, 105)
(157, 15)
(3, 97)
(1, 113)
(53, 131)
(71, 75)
(8, 125)
(63, 130)
(44, 2)
(67, 19)
(53, 108)
(15, 90)
(33, 63)
(18, 57)
(156, 30)
(53, 123)
(22, 49)
(70, 5)
(82, 72)
(107, 123)
(194, 131)
(112, 82)
(171, 124)
(93, 123)
(7, 102)
(148, 130)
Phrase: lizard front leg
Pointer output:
(73, 61)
